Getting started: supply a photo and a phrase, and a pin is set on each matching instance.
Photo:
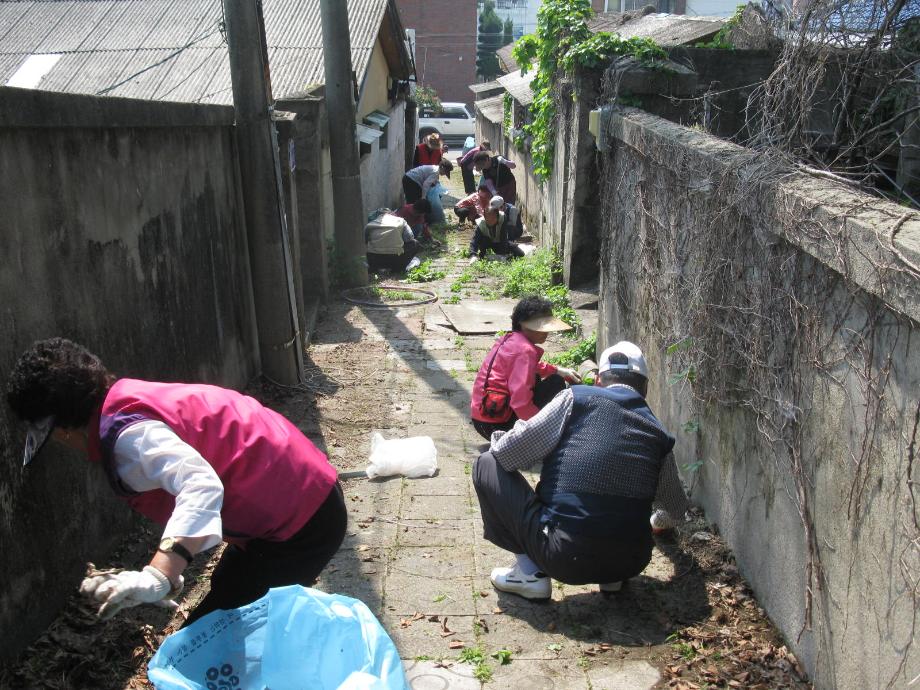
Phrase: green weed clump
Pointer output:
(476, 657)
(531, 275)
(425, 272)
(575, 355)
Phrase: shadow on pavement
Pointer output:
(645, 612)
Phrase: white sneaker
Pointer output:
(528, 586)
(611, 587)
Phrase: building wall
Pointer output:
(382, 169)
(445, 45)
(800, 416)
(121, 229)
(375, 90)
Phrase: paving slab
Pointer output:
(430, 635)
(439, 507)
(539, 675)
(429, 675)
(424, 533)
(432, 579)
(439, 485)
(624, 675)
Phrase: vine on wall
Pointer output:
(561, 43)
(757, 325)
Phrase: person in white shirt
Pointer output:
(207, 463)
(417, 181)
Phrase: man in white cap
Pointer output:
(607, 463)
(514, 223)
(492, 232)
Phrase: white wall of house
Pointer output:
(382, 167)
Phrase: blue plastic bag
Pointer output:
(293, 637)
(437, 208)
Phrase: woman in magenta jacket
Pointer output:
(512, 382)
(207, 463)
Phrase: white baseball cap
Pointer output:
(630, 352)
(497, 203)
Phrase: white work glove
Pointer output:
(117, 591)
(661, 521)
(569, 375)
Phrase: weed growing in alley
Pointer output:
(425, 272)
(535, 274)
(575, 355)
(503, 656)
(475, 657)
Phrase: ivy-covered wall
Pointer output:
(780, 316)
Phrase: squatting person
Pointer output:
(512, 382)
(606, 462)
(207, 463)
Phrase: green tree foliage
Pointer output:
(491, 31)
(509, 32)
(427, 97)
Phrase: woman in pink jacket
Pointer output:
(512, 382)
(207, 463)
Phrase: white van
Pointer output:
(453, 122)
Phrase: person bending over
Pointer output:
(465, 162)
(206, 463)
(471, 207)
(497, 175)
(607, 462)
(512, 382)
(417, 181)
(416, 215)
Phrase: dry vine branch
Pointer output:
(766, 323)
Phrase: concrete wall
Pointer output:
(382, 169)
(122, 229)
(312, 219)
(796, 302)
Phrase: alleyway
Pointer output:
(414, 550)
(415, 553)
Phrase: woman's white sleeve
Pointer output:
(149, 455)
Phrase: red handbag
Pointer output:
(495, 402)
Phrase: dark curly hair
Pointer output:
(58, 377)
(528, 308)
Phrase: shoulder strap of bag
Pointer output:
(492, 361)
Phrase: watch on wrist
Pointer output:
(170, 545)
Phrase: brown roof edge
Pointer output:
(392, 38)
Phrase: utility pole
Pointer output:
(351, 251)
(280, 341)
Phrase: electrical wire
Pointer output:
(216, 26)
